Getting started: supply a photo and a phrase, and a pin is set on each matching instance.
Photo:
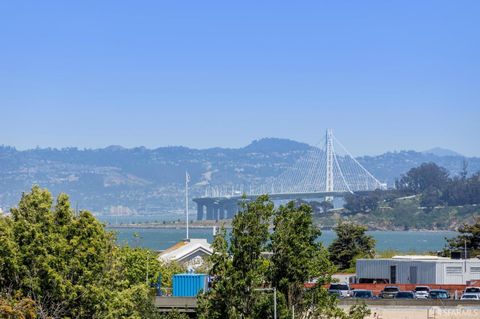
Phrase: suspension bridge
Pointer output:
(322, 172)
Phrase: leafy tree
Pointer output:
(362, 203)
(248, 241)
(238, 273)
(431, 197)
(239, 269)
(17, 307)
(174, 314)
(325, 306)
(216, 303)
(469, 235)
(419, 179)
(326, 205)
(351, 243)
(298, 256)
(69, 264)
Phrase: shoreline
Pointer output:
(227, 225)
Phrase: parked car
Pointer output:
(363, 294)
(422, 292)
(469, 296)
(439, 294)
(389, 292)
(405, 295)
(472, 290)
(342, 289)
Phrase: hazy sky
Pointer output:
(385, 75)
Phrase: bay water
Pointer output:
(401, 241)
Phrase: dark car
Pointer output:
(389, 292)
(363, 294)
(439, 294)
(405, 295)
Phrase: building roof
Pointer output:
(182, 250)
(425, 258)
(419, 257)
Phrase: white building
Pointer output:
(189, 252)
(418, 270)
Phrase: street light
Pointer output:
(274, 299)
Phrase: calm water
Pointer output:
(405, 241)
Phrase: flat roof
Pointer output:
(425, 258)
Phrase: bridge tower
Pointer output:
(330, 154)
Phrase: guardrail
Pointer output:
(181, 304)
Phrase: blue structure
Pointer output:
(189, 285)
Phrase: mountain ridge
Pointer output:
(146, 180)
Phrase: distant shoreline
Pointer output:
(227, 225)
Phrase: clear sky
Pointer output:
(385, 75)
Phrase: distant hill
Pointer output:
(151, 180)
(441, 152)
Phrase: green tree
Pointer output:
(17, 307)
(419, 179)
(469, 236)
(248, 241)
(216, 303)
(239, 269)
(351, 243)
(297, 255)
(69, 264)
(243, 269)
(326, 205)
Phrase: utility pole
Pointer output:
(274, 299)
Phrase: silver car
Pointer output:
(422, 292)
(341, 289)
(470, 297)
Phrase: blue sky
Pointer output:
(385, 75)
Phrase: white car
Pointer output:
(472, 290)
(470, 297)
(341, 289)
(422, 292)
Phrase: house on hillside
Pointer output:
(188, 252)
(418, 270)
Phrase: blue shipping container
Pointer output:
(189, 285)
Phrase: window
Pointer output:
(475, 270)
(454, 270)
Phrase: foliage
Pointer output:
(216, 303)
(324, 306)
(17, 307)
(426, 197)
(423, 177)
(298, 256)
(69, 265)
(174, 314)
(240, 269)
(438, 188)
(351, 243)
(407, 214)
(463, 190)
(356, 203)
(469, 236)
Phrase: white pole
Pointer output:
(274, 303)
(146, 279)
(186, 200)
